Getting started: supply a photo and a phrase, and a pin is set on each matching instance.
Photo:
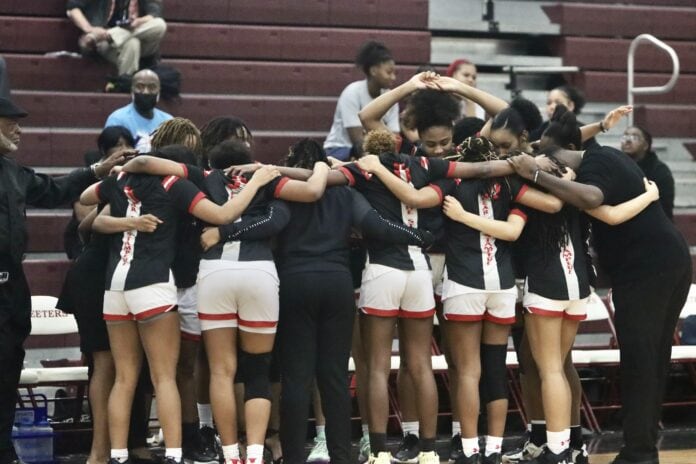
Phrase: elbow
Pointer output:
(591, 200)
(554, 206)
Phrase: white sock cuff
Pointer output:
(120, 454)
(321, 431)
(470, 446)
(205, 415)
(230, 451)
(411, 427)
(456, 428)
(493, 445)
(174, 453)
(558, 442)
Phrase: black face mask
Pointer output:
(144, 102)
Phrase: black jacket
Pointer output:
(21, 186)
(97, 11)
(658, 172)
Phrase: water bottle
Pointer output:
(43, 439)
(23, 435)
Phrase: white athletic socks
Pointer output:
(365, 430)
(470, 446)
(558, 442)
(173, 453)
(254, 454)
(321, 432)
(410, 427)
(456, 428)
(493, 445)
(205, 415)
(121, 455)
(230, 452)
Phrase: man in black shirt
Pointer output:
(649, 265)
(19, 187)
(636, 142)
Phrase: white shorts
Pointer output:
(141, 303)
(466, 304)
(437, 263)
(188, 313)
(240, 294)
(390, 292)
(575, 310)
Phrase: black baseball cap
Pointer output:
(10, 110)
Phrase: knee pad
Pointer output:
(256, 372)
(493, 373)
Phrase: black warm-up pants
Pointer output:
(647, 311)
(15, 325)
(314, 336)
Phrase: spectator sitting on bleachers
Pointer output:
(465, 71)
(120, 31)
(636, 142)
(4, 80)
(346, 134)
(140, 116)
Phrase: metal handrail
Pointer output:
(632, 90)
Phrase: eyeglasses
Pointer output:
(631, 138)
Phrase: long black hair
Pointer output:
(563, 129)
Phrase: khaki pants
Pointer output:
(127, 46)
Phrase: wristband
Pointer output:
(536, 175)
(93, 168)
(601, 127)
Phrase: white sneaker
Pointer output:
(364, 445)
(383, 457)
(319, 453)
(528, 452)
(428, 457)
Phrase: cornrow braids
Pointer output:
(219, 129)
(480, 149)
(177, 131)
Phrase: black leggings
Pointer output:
(647, 311)
(314, 338)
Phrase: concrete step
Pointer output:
(486, 52)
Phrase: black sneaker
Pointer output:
(456, 447)
(172, 461)
(579, 456)
(549, 457)
(408, 451)
(202, 452)
(116, 461)
(527, 452)
(495, 458)
(473, 459)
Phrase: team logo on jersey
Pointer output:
(494, 193)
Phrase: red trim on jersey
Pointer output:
(120, 175)
(463, 317)
(190, 337)
(424, 162)
(450, 169)
(522, 191)
(207, 173)
(154, 312)
(168, 181)
(116, 317)
(217, 317)
(380, 312)
(349, 175)
(130, 195)
(574, 317)
(416, 314)
(267, 324)
(499, 320)
(544, 312)
(519, 212)
(279, 187)
(185, 168)
(96, 191)
(199, 196)
(438, 190)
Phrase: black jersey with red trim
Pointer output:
(221, 188)
(475, 259)
(138, 259)
(188, 237)
(419, 172)
(557, 273)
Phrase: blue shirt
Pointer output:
(139, 126)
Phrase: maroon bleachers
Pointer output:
(667, 120)
(199, 76)
(393, 14)
(610, 86)
(623, 21)
(46, 276)
(47, 230)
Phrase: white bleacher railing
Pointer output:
(632, 89)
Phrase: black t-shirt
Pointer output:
(221, 188)
(139, 259)
(637, 248)
(419, 172)
(473, 258)
(658, 172)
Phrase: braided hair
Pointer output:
(177, 131)
(222, 128)
(480, 149)
(305, 153)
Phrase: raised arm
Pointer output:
(618, 214)
(426, 197)
(371, 115)
(610, 120)
(492, 104)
